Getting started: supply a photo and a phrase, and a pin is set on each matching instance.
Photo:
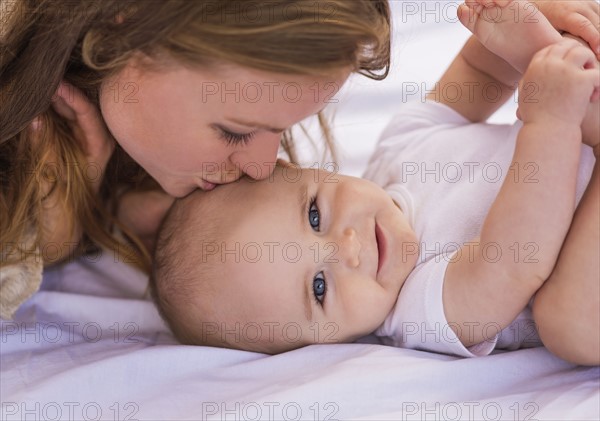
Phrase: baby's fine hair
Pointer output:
(180, 275)
(186, 278)
(184, 281)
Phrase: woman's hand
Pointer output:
(577, 17)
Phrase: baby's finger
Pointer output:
(595, 96)
(559, 49)
(595, 79)
(586, 27)
(582, 57)
(592, 69)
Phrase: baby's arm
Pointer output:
(480, 82)
(479, 292)
(566, 309)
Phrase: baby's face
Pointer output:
(318, 257)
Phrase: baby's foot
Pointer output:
(512, 29)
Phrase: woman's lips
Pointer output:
(381, 247)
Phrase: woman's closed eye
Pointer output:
(233, 139)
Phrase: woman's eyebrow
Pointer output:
(256, 125)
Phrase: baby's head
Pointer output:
(305, 256)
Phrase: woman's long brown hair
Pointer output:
(87, 41)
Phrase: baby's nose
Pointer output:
(349, 248)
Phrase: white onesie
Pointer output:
(445, 172)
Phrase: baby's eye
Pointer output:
(314, 218)
(319, 288)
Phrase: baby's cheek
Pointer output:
(363, 323)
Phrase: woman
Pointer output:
(108, 104)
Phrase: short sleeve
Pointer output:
(418, 320)
(414, 122)
(420, 115)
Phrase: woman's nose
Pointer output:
(349, 248)
(258, 158)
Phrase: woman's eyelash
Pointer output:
(235, 138)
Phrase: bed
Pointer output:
(90, 345)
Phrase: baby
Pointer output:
(455, 229)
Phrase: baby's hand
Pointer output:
(577, 17)
(559, 84)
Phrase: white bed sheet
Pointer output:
(91, 346)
